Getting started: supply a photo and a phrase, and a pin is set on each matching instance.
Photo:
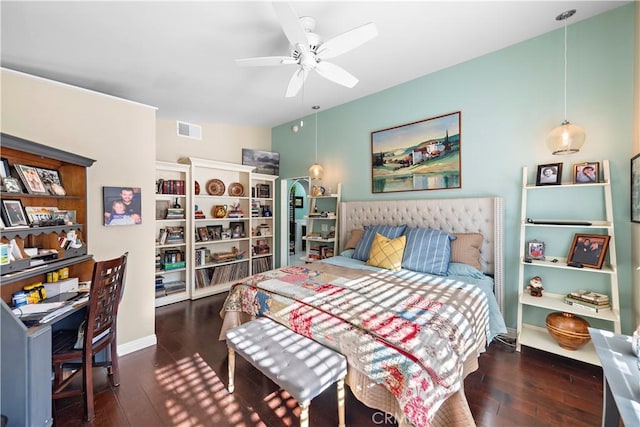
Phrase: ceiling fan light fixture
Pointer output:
(566, 138)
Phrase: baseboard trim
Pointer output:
(138, 344)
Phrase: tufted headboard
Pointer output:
(478, 215)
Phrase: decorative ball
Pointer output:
(570, 331)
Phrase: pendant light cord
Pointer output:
(316, 135)
(565, 70)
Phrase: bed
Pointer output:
(411, 327)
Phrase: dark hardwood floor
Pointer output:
(182, 382)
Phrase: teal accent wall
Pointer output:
(510, 100)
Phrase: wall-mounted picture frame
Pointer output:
(266, 162)
(51, 180)
(418, 156)
(588, 250)
(586, 173)
(535, 249)
(549, 174)
(236, 229)
(635, 188)
(122, 205)
(13, 213)
(31, 179)
(298, 202)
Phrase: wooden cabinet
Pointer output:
(25, 360)
(173, 198)
(322, 224)
(592, 204)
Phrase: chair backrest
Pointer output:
(107, 287)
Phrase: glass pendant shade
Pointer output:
(566, 139)
(316, 171)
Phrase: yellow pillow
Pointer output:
(387, 253)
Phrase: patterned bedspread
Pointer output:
(412, 337)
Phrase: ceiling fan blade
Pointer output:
(265, 61)
(347, 41)
(290, 23)
(296, 82)
(336, 74)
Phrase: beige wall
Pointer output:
(120, 135)
(221, 142)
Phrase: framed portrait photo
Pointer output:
(122, 205)
(11, 185)
(236, 229)
(31, 179)
(215, 232)
(586, 173)
(51, 180)
(13, 213)
(535, 249)
(549, 174)
(635, 188)
(588, 250)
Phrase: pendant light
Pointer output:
(566, 138)
(316, 171)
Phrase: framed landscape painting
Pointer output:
(423, 155)
(265, 162)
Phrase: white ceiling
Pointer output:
(179, 56)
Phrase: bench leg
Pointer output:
(232, 368)
(304, 415)
(341, 403)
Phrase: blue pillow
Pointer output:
(364, 245)
(465, 270)
(427, 251)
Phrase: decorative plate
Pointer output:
(197, 188)
(236, 189)
(215, 187)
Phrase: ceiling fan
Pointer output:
(309, 52)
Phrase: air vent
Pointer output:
(189, 130)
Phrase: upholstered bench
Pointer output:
(299, 365)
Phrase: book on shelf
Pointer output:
(175, 235)
(175, 213)
(586, 306)
(586, 301)
(589, 295)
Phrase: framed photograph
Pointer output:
(31, 179)
(550, 174)
(535, 249)
(265, 162)
(635, 188)
(298, 202)
(236, 229)
(263, 191)
(423, 155)
(40, 214)
(13, 213)
(203, 234)
(586, 173)
(122, 205)
(52, 182)
(589, 250)
(11, 185)
(215, 232)
(66, 216)
(4, 168)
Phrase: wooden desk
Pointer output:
(25, 366)
(621, 378)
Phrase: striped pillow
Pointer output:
(427, 251)
(364, 245)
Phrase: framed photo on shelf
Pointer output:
(215, 232)
(586, 173)
(4, 168)
(535, 249)
(11, 185)
(635, 188)
(203, 234)
(13, 213)
(236, 229)
(549, 174)
(31, 179)
(51, 180)
(263, 191)
(588, 250)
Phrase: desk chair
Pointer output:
(99, 329)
